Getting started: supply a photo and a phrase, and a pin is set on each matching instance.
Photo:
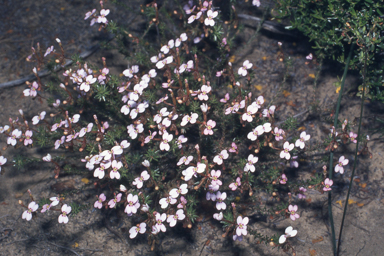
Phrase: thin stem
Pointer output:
(356, 151)
(331, 153)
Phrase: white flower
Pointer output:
(12, 140)
(210, 16)
(175, 192)
(130, 71)
(172, 219)
(259, 130)
(159, 222)
(256, 3)
(220, 197)
(102, 18)
(47, 158)
(65, 209)
(339, 165)
(164, 202)
(135, 230)
(204, 107)
(242, 226)
(3, 160)
(243, 70)
(250, 164)
(165, 49)
(289, 232)
(204, 92)
(285, 153)
(251, 110)
(218, 216)
(300, 142)
(219, 158)
(32, 207)
(164, 143)
(138, 182)
(36, 119)
(55, 200)
(133, 204)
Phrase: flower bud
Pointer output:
(274, 194)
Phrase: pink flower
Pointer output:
(352, 137)
(303, 137)
(113, 202)
(279, 133)
(214, 176)
(45, 208)
(292, 211)
(236, 184)
(159, 222)
(208, 128)
(99, 202)
(138, 182)
(185, 160)
(220, 197)
(103, 74)
(219, 158)
(192, 119)
(180, 140)
(339, 165)
(283, 179)
(133, 204)
(269, 112)
(285, 153)
(32, 207)
(242, 226)
(210, 194)
(233, 148)
(303, 190)
(28, 140)
(309, 56)
(182, 203)
(327, 184)
(33, 91)
(172, 219)
(138, 229)
(225, 99)
(65, 210)
(150, 137)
